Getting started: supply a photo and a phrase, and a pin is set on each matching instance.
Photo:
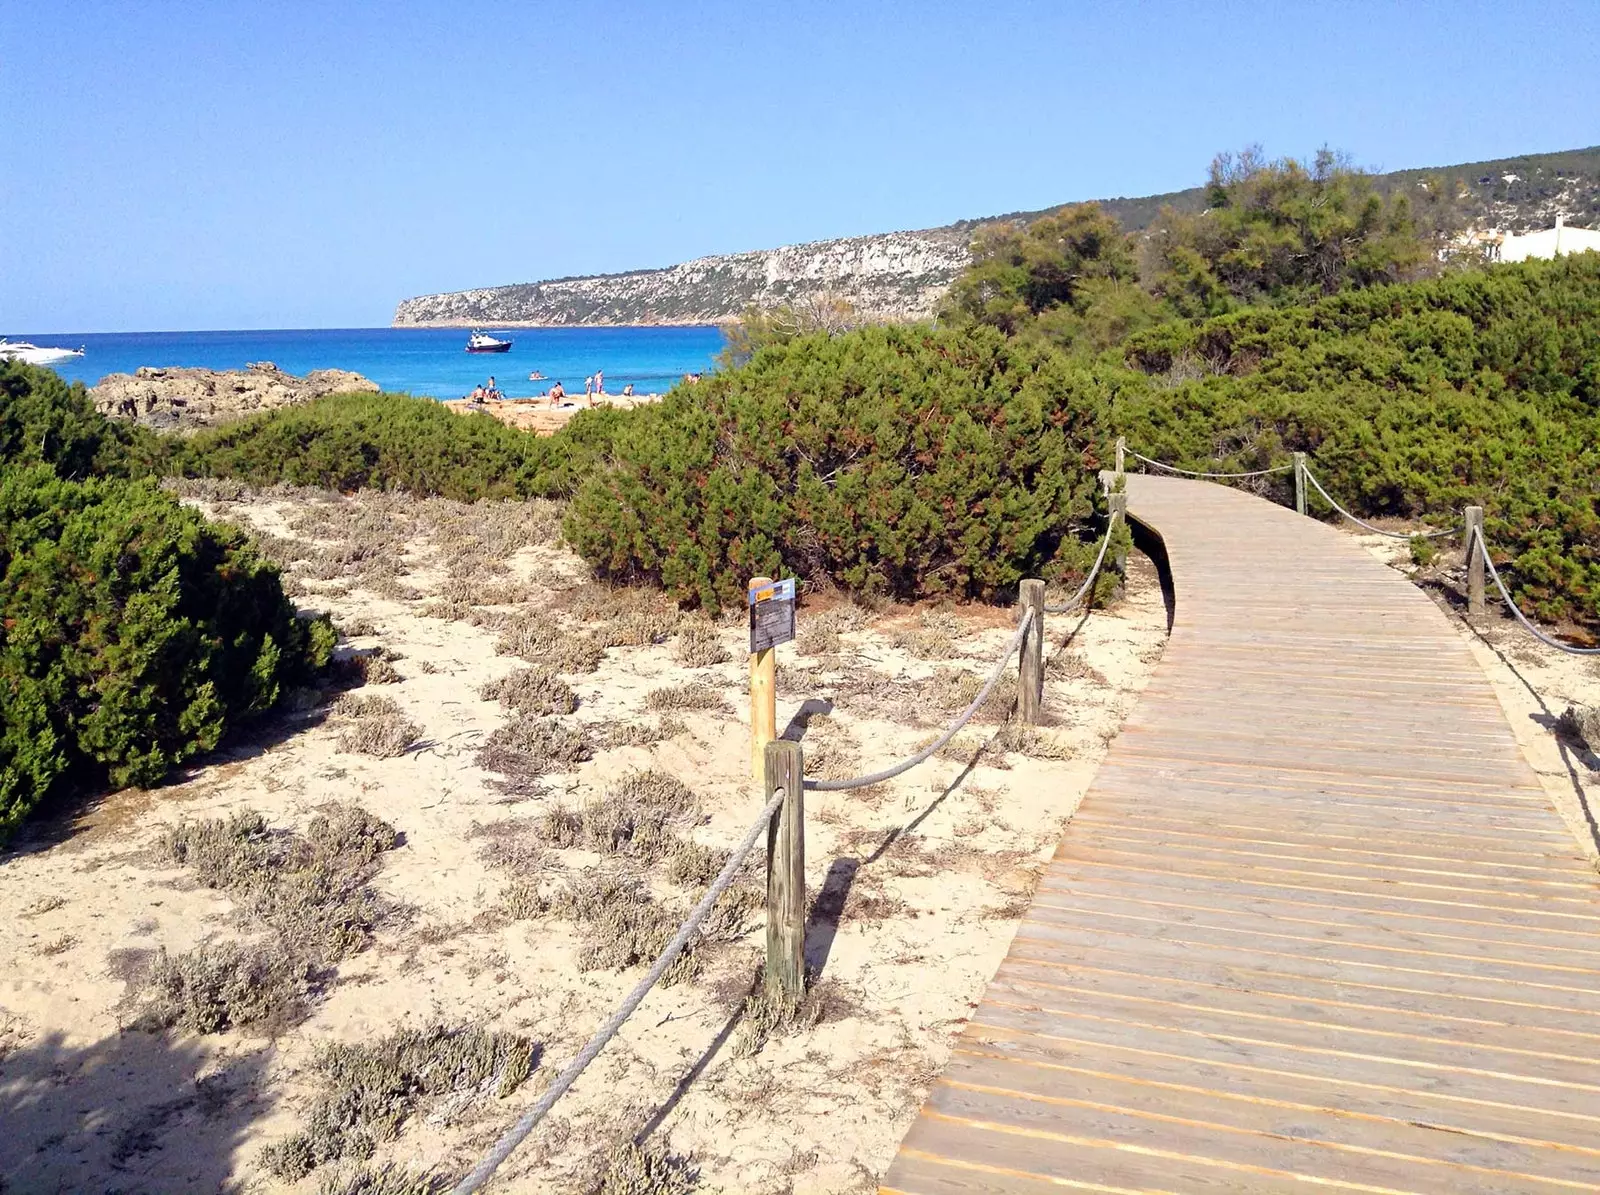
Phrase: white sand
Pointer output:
(943, 861)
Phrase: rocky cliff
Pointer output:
(899, 276)
(894, 276)
(193, 398)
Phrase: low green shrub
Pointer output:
(395, 442)
(1478, 388)
(132, 634)
(905, 461)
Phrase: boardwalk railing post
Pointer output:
(1473, 535)
(1030, 659)
(1300, 483)
(1122, 452)
(1117, 503)
(786, 872)
(763, 700)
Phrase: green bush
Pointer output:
(395, 442)
(45, 421)
(1477, 388)
(897, 460)
(132, 632)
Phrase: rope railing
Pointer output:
(517, 1133)
(1071, 603)
(1505, 595)
(1317, 485)
(1193, 473)
(1475, 541)
(911, 761)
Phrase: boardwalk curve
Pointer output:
(1315, 926)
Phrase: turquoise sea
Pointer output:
(428, 361)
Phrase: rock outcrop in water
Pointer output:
(186, 399)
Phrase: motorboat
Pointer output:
(482, 342)
(33, 354)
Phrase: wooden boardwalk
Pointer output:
(1315, 927)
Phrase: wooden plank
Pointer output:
(1315, 926)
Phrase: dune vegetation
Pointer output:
(1303, 311)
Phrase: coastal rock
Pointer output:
(186, 399)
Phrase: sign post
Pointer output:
(771, 623)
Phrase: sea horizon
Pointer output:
(426, 361)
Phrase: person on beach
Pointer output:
(476, 396)
(491, 391)
(588, 386)
(557, 393)
(627, 391)
(599, 381)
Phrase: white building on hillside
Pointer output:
(1548, 242)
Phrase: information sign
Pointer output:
(771, 614)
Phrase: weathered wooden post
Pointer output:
(763, 690)
(784, 767)
(1030, 661)
(1118, 506)
(1300, 483)
(1476, 547)
(1122, 452)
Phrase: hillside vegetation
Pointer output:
(901, 276)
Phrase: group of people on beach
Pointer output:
(593, 386)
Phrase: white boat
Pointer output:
(482, 342)
(33, 354)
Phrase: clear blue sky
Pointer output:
(223, 165)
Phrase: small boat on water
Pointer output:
(482, 342)
(33, 354)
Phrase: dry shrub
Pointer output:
(623, 617)
(355, 627)
(1071, 666)
(387, 1179)
(621, 925)
(541, 640)
(1580, 724)
(695, 695)
(209, 989)
(528, 748)
(631, 1169)
(383, 736)
(699, 647)
(768, 1013)
(536, 690)
(387, 587)
(369, 1091)
(313, 890)
(449, 611)
(933, 638)
(692, 864)
(1030, 741)
(817, 639)
(672, 726)
(635, 818)
(57, 945)
(362, 705)
(632, 734)
(516, 844)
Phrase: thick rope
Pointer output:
(515, 1135)
(1377, 530)
(889, 773)
(1068, 605)
(1193, 473)
(1483, 551)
